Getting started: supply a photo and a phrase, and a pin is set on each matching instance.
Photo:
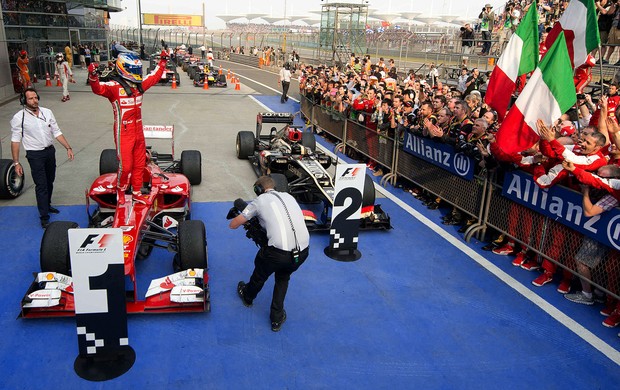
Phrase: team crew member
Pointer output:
(209, 58)
(22, 65)
(285, 80)
(125, 92)
(279, 214)
(63, 70)
(35, 127)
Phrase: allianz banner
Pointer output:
(564, 206)
(439, 154)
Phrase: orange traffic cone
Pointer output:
(228, 75)
(34, 78)
(58, 83)
(237, 85)
(206, 84)
(48, 82)
(174, 81)
(220, 72)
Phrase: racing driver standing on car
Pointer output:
(124, 91)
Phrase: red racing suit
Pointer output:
(128, 133)
(555, 150)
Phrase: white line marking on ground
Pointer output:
(568, 322)
(263, 85)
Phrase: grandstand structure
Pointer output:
(342, 31)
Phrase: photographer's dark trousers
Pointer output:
(43, 169)
(271, 260)
(486, 42)
(285, 85)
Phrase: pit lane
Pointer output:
(414, 311)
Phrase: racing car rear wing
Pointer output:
(273, 117)
(160, 132)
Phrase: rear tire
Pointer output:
(191, 166)
(245, 144)
(12, 184)
(55, 248)
(108, 161)
(192, 246)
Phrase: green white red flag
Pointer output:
(520, 57)
(580, 27)
(549, 93)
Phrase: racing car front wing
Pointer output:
(51, 295)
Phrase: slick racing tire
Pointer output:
(178, 79)
(191, 166)
(192, 246)
(308, 141)
(55, 248)
(12, 184)
(368, 197)
(108, 161)
(245, 144)
(281, 182)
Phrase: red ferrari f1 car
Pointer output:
(163, 220)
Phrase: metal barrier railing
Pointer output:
(557, 246)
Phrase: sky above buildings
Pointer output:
(281, 8)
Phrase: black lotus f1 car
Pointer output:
(290, 156)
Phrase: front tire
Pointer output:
(281, 182)
(308, 141)
(192, 246)
(54, 254)
(368, 197)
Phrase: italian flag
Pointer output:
(520, 57)
(580, 27)
(549, 93)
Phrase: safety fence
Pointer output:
(410, 49)
(555, 245)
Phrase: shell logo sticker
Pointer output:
(191, 272)
(122, 92)
(49, 276)
(127, 239)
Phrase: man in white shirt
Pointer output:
(287, 248)
(36, 128)
(285, 80)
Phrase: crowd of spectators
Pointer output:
(586, 140)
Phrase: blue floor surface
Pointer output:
(413, 311)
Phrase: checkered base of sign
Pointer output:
(337, 239)
(96, 343)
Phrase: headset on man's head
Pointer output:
(258, 189)
(22, 96)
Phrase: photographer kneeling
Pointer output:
(286, 250)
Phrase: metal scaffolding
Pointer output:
(343, 31)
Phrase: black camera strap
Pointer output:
(294, 252)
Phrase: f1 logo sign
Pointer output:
(102, 242)
(350, 172)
